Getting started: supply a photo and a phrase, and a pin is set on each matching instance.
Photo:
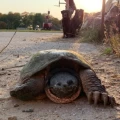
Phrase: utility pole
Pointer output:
(102, 20)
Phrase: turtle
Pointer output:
(62, 75)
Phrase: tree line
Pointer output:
(15, 20)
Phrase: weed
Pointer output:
(107, 51)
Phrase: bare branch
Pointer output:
(8, 42)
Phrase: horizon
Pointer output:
(42, 7)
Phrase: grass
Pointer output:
(107, 51)
(13, 30)
(112, 38)
(90, 35)
(115, 43)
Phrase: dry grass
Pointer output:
(90, 35)
(115, 43)
(113, 39)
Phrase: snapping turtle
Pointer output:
(62, 75)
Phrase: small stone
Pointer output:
(17, 55)
(74, 114)
(12, 118)
(2, 69)
(95, 63)
(29, 110)
(118, 61)
(2, 73)
(16, 105)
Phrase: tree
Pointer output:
(3, 25)
(38, 20)
(14, 20)
(56, 23)
(17, 19)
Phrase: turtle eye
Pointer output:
(70, 82)
(59, 84)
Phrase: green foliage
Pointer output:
(12, 20)
(38, 19)
(56, 23)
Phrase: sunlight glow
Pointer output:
(89, 5)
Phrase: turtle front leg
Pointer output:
(29, 90)
(93, 88)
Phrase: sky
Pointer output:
(42, 6)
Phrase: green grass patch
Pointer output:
(107, 51)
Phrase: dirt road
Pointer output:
(22, 47)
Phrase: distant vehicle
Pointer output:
(47, 26)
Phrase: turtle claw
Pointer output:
(98, 97)
(89, 96)
(105, 98)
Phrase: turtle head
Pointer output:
(63, 84)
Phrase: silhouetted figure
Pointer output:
(76, 22)
(71, 26)
(65, 22)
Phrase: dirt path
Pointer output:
(23, 46)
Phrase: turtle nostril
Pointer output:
(59, 84)
(70, 82)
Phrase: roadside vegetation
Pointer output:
(111, 40)
(90, 35)
(25, 21)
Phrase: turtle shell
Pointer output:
(44, 58)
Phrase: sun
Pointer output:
(89, 5)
